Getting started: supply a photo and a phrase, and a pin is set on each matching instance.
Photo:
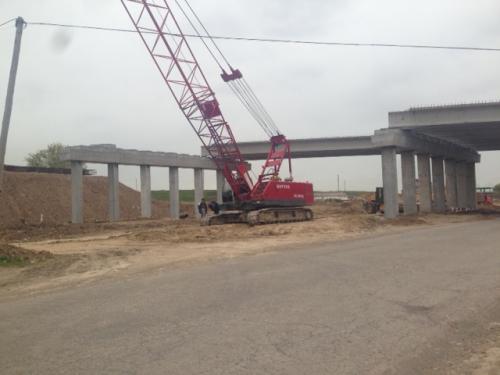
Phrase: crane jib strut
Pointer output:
(173, 56)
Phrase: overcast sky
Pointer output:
(87, 87)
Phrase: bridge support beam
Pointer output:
(113, 193)
(76, 192)
(198, 189)
(424, 178)
(173, 174)
(146, 191)
(451, 184)
(438, 189)
(409, 183)
(390, 181)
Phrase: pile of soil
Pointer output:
(39, 198)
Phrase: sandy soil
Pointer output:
(32, 198)
(81, 253)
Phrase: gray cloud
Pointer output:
(105, 89)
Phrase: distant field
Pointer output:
(185, 195)
(188, 195)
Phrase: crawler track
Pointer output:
(261, 217)
(279, 215)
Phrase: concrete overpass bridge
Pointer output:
(444, 140)
(439, 145)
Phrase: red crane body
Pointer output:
(168, 46)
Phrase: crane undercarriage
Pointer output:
(261, 216)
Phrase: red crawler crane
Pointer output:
(269, 199)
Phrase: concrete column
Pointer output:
(390, 181)
(461, 185)
(438, 191)
(424, 178)
(451, 183)
(409, 183)
(471, 186)
(173, 173)
(113, 192)
(220, 185)
(76, 192)
(146, 191)
(199, 182)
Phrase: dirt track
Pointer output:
(420, 295)
(82, 253)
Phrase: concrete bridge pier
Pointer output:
(173, 173)
(425, 185)
(113, 193)
(198, 188)
(438, 186)
(451, 184)
(471, 185)
(76, 192)
(409, 183)
(462, 199)
(390, 181)
(220, 185)
(146, 191)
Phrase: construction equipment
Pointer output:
(375, 205)
(270, 198)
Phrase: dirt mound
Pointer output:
(34, 198)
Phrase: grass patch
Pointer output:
(12, 256)
(6, 261)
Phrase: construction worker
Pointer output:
(202, 208)
(214, 206)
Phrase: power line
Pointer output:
(282, 41)
(6, 22)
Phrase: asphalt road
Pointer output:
(368, 306)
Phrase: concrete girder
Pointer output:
(311, 148)
(476, 125)
(447, 114)
(408, 140)
(110, 154)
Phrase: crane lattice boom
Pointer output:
(173, 56)
(265, 200)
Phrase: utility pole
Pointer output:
(10, 94)
(338, 182)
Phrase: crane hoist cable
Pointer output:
(238, 85)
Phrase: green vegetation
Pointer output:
(48, 158)
(496, 189)
(356, 194)
(7, 261)
(185, 195)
